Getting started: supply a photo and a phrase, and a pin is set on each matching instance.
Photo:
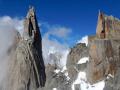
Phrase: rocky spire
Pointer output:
(27, 70)
(31, 30)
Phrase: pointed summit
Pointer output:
(31, 12)
(31, 28)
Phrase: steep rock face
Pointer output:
(26, 69)
(102, 59)
(104, 53)
(77, 52)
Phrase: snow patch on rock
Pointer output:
(83, 60)
(84, 85)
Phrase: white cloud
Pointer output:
(83, 40)
(8, 23)
(53, 45)
(62, 32)
(56, 30)
(8, 27)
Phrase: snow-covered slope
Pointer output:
(84, 85)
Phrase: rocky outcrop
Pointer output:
(56, 78)
(26, 68)
(113, 83)
(77, 87)
(76, 53)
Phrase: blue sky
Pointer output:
(79, 16)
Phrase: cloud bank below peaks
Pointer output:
(52, 42)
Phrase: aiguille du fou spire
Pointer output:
(27, 70)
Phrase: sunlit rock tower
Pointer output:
(27, 70)
(104, 49)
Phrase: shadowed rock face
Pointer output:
(27, 70)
